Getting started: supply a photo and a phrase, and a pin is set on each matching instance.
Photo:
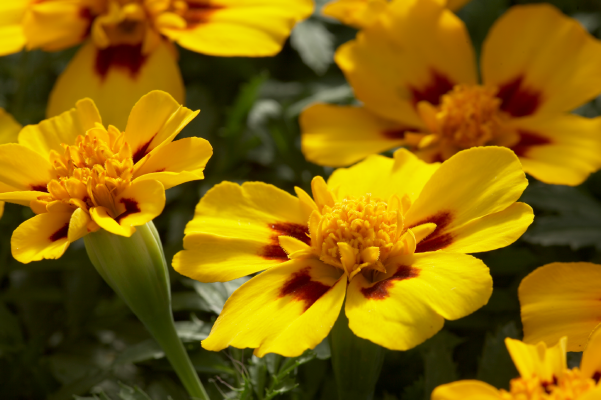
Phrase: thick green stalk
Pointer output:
(357, 362)
(136, 269)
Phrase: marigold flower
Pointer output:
(543, 375)
(389, 234)
(79, 176)
(414, 71)
(362, 13)
(561, 299)
(127, 44)
(9, 128)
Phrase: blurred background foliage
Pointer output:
(64, 333)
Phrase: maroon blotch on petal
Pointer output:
(123, 56)
(517, 100)
(274, 251)
(303, 288)
(60, 234)
(131, 207)
(439, 85)
(39, 188)
(438, 239)
(527, 141)
(379, 290)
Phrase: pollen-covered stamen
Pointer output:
(356, 233)
(570, 385)
(468, 116)
(91, 173)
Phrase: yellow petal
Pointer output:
(307, 202)
(391, 72)
(78, 225)
(142, 202)
(63, 129)
(409, 304)
(292, 245)
(322, 195)
(560, 149)
(542, 61)
(155, 121)
(384, 177)
(561, 299)
(466, 390)
(23, 198)
(591, 358)
(456, 4)
(177, 162)
(252, 28)
(43, 236)
(12, 38)
(538, 360)
(356, 13)
(285, 310)
(24, 169)
(1, 208)
(235, 231)
(471, 184)
(9, 128)
(115, 78)
(101, 216)
(55, 25)
(487, 233)
(341, 135)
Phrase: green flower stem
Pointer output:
(357, 362)
(136, 269)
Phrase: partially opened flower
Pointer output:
(9, 129)
(362, 13)
(79, 177)
(414, 71)
(543, 375)
(561, 299)
(390, 235)
(127, 44)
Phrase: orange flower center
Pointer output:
(91, 173)
(569, 386)
(366, 224)
(469, 116)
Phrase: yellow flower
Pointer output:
(79, 176)
(544, 375)
(9, 128)
(362, 13)
(389, 234)
(414, 71)
(561, 299)
(127, 44)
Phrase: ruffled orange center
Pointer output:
(91, 173)
(357, 233)
(569, 386)
(134, 22)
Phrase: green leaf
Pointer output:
(496, 366)
(11, 338)
(129, 393)
(215, 294)
(439, 367)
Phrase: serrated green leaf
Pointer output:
(215, 294)
(129, 393)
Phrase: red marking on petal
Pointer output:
(438, 239)
(86, 14)
(131, 207)
(596, 376)
(527, 140)
(161, 170)
(60, 234)
(303, 288)
(397, 133)
(379, 290)
(274, 251)
(142, 150)
(39, 188)
(518, 100)
(432, 92)
(199, 12)
(123, 56)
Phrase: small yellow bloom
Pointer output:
(543, 375)
(9, 129)
(362, 13)
(127, 44)
(414, 71)
(79, 176)
(390, 235)
(561, 299)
